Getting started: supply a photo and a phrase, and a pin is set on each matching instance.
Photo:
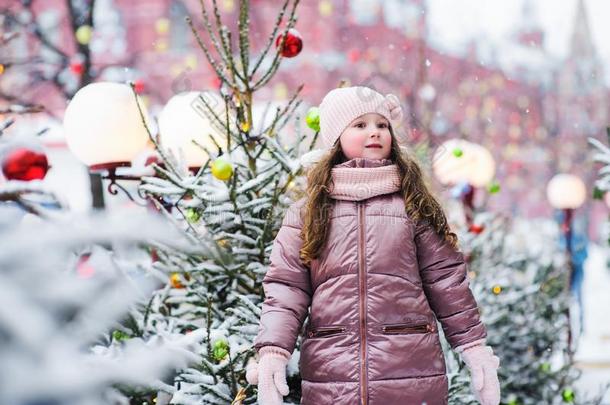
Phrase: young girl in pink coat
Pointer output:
(369, 256)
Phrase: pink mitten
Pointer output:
(483, 364)
(269, 374)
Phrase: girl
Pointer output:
(370, 251)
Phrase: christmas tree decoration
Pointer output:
(102, 125)
(83, 34)
(190, 129)
(293, 43)
(457, 152)
(1, 68)
(568, 395)
(176, 281)
(222, 169)
(313, 118)
(192, 215)
(139, 86)
(494, 188)
(162, 26)
(220, 349)
(119, 335)
(77, 67)
(496, 289)
(476, 229)
(24, 164)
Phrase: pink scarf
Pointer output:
(361, 178)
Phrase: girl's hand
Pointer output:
(269, 374)
(483, 365)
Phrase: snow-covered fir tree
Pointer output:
(519, 278)
(68, 282)
(230, 208)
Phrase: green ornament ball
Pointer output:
(220, 349)
(545, 367)
(494, 187)
(458, 152)
(313, 118)
(119, 336)
(568, 395)
(192, 215)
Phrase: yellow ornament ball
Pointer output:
(176, 281)
(222, 169)
(496, 289)
(83, 34)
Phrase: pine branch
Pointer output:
(278, 54)
(271, 38)
(243, 26)
(211, 60)
(213, 39)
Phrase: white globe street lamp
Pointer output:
(103, 126)
(459, 161)
(186, 119)
(567, 192)
(483, 166)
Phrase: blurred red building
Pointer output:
(533, 113)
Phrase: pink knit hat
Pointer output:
(341, 106)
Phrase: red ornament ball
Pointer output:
(77, 67)
(139, 86)
(476, 229)
(25, 165)
(293, 44)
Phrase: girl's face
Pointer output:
(367, 136)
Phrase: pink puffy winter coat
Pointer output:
(375, 294)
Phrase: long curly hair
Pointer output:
(420, 204)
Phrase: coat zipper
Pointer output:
(405, 328)
(363, 368)
(325, 331)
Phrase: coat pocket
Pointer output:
(323, 331)
(406, 328)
